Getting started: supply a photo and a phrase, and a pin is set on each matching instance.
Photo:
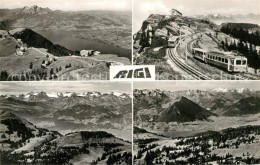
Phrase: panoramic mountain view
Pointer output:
(215, 41)
(53, 123)
(187, 123)
(80, 40)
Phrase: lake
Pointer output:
(66, 39)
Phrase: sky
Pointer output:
(71, 5)
(142, 9)
(194, 85)
(16, 88)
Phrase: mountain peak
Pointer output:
(184, 110)
(42, 96)
(34, 10)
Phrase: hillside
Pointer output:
(113, 27)
(183, 111)
(228, 146)
(86, 147)
(33, 39)
(245, 26)
(232, 18)
(247, 105)
(18, 135)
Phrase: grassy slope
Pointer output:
(7, 46)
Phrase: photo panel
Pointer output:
(64, 40)
(196, 122)
(61, 123)
(198, 40)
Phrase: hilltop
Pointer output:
(18, 135)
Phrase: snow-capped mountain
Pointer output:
(239, 90)
(66, 94)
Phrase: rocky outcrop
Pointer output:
(34, 10)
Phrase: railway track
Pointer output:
(240, 77)
(186, 68)
(246, 77)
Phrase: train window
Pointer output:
(226, 60)
(223, 59)
(238, 62)
(219, 58)
(232, 62)
(244, 62)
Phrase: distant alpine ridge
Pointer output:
(190, 105)
(45, 96)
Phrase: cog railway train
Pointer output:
(226, 60)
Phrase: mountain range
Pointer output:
(69, 111)
(190, 105)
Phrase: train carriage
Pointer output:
(225, 60)
(200, 53)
